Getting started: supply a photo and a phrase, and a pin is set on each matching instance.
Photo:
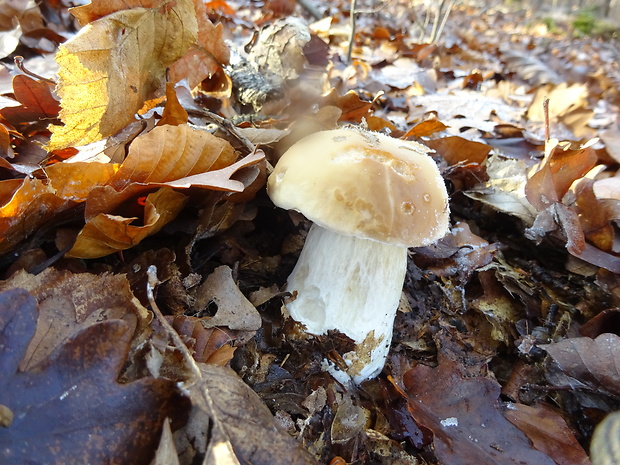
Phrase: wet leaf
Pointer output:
(589, 362)
(465, 419)
(548, 432)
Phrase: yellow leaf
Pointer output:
(113, 65)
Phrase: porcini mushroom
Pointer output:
(370, 197)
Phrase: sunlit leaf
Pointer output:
(114, 65)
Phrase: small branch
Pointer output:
(19, 62)
(546, 117)
(153, 281)
(306, 5)
(352, 36)
(224, 124)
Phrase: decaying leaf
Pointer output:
(71, 405)
(242, 428)
(548, 432)
(234, 310)
(591, 363)
(465, 419)
(114, 65)
(71, 302)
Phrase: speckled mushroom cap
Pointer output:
(364, 184)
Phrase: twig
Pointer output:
(224, 124)
(316, 14)
(352, 36)
(19, 62)
(546, 114)
(153, 281)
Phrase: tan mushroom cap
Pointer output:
(364, 184)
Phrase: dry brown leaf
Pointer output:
(561, 166)
(242, 428)
(114, 65)
(171, 153)
(70, 302)
(205, 57)
(174, 114)
(74, 181)
(567, 104)
(455, 149)
(505, 190)
(26, 205)
(105, 233)
(37, 103)
(426, 128)
(234, 310)
(99, 8)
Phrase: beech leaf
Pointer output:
(113, 65)
(465, 419)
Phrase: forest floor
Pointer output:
(144, 265)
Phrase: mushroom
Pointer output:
(370, 197)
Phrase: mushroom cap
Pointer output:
(364, 184)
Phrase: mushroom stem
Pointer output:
(352, 285)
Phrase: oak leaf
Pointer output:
(71, 405)
(113, 65)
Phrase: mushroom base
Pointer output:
(351, 285)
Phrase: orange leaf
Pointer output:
(455, 149)
(74, 181)
(425, 128)
(106, 234)
(174, 114)
(169, 153)
(28, 204)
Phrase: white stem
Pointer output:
(352, 285)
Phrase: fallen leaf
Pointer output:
(37, 102)
(71, 302)
(106, 233)
(113, 65)
(455, 149)
(561, 167)
(26, 205)
(174, 114)
(548, 432)
(170, 153)
(234, 310)
(465, 419)
(591, 363)
(206, 56)
(242, 428)
(71, 405)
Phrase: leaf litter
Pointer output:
(145, 153)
